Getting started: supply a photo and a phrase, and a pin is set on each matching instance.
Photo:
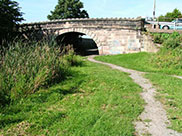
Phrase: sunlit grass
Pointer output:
(169, 88)
(146, 62)
(95, 100)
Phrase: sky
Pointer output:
(37, 10)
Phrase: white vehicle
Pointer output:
(174, 25)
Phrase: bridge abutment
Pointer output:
(119, 42)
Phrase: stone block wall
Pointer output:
(119, 42)
(147, 44)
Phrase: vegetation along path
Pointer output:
(153, 121)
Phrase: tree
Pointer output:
(171, 16)
(68, 9)
(10, 16)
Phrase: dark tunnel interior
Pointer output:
(81, 45)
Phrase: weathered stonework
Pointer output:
(112, 35)
(148, 44)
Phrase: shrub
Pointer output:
(26, 67)
(160, 37)
(164, 36)
(174, 41)
(174, 35)
(170, 55)
(157, 38)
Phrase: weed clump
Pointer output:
(69, 57)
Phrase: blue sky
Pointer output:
(37, 10)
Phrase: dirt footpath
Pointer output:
(153, 121)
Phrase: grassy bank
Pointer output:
(95, 100)
(142, 62)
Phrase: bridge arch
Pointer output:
(91, 34)
(84, 31)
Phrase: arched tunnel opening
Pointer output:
(82, 44)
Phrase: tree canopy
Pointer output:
(68, 9)
(171, 15)
(10, 16)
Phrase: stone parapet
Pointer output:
(104, 23)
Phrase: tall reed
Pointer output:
(25, 67)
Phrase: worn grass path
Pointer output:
(153, 121)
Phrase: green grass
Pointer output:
(95, 101)
(170, 89)
(138, 61)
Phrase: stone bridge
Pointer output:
(111, 35)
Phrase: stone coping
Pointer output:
(82, 19)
